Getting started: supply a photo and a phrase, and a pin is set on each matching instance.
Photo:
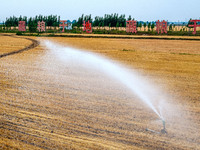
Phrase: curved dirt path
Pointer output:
(34, 44)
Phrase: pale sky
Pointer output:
(141, 10)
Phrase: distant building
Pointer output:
(69, 25)
(66, 24)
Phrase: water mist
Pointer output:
(139, 86)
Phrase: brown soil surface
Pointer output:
(9, 44)
(21, 41)
(45, 105)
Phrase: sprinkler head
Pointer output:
(163, 131)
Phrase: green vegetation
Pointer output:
(152, 26)
(49, 20)
(145, 25)
(170, 27)
(19, 33)
(149, 26)
(186, 54)
(109, 24)
(112, 20)
(128, 50)
(52, 21)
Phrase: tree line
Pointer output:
(110, 20)
(51, 20)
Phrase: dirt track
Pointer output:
(46, 104)
(34, 44)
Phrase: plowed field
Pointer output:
(46, 104)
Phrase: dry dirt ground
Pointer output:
(9, 44)
(47, 104)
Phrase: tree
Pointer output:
(50, 21)
(3, 25)
(190, 23)
(109, 25)
(149, 26)
(103, 25)
(145, 25)
(170, 27)
(55, 25)
(15, 27)
(129, 18)
(99, 25)
(117, 25)
(32, 27)
(152, 26)
(140, 25)
(96, 21)
(174, 26)
(80, 21)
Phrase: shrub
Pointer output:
(19, 33)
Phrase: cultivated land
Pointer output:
(9, 44)
(44, 104)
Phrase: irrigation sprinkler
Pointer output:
(152, 131)
(163, 131)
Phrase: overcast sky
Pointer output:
(141, 10)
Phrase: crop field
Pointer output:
(49, 101)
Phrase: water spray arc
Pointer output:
(144, 90)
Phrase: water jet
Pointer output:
(129, 78)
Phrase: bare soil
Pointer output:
(45, 105)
